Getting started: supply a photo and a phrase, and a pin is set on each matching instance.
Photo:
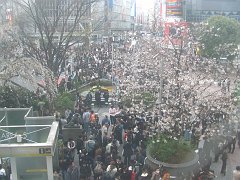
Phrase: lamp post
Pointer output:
(161, 82)
(112, 62)
(112, 39)
(106, 18)
(184, 4)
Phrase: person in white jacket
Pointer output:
(112, 113)
(2, 172)
(111, 169)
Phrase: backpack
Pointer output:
(90, 145)
(98, 168)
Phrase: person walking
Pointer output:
(57, 175)
(98, 98)
(224, 162)
(106, 96)
(105, 120)
(238, 137)
(71, 145)
(86, 120)
(79, 143)
(228, 84)
(98, 170)
(88, 99)
(85, 163)
(127, 152)
(112, 113)
(233, 145)
(2, 173)
(92, 118)
(90, 146)
(118, 132)
(156, 175)
(73, 172)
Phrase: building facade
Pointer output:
(200, 10)
(71, 13)
(111, 17)
(171, 10)
(6, 12)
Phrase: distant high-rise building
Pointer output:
(6, 12)
(68, 12)
(112, 17)
(199, 10)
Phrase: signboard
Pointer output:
(20, 150)
(174, 8)
(44, 150)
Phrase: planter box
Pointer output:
(173, 169)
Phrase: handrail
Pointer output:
(4, 117)
(26, 115)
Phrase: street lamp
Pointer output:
(184, 4)
(112, 40)
(112, 62)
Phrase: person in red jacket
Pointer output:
(133, 173)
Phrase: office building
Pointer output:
(112, 17)
(200, 10)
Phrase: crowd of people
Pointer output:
(192, 106)
(115, 148)
(84, 67)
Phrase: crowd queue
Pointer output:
(114, 147)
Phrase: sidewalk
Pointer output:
(233, 161)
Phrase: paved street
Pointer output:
(233, 161)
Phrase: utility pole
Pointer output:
(161, 82)
(106, 18)
(185, 9)
(112, 39)
(160, 89)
